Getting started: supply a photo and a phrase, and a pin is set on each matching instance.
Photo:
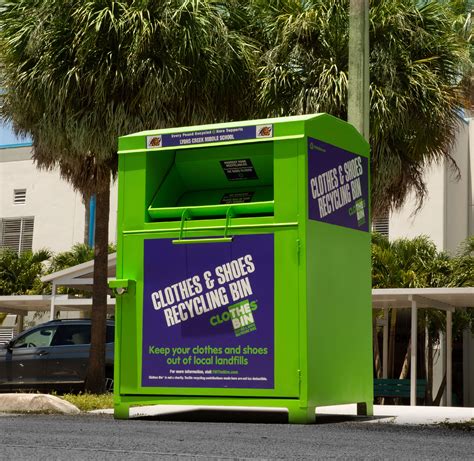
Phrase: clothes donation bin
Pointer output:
(243, 266)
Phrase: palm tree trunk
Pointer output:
(95, 380)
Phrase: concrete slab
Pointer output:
(405, 415)
(31, 403)
(401, 414)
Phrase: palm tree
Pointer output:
(417, 59)
(79, 74)
(78, 254)
(20, 272)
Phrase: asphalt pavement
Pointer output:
(206, 434)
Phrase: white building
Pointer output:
(447, 214)
(37, 208)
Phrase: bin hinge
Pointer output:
(122, 286)
(298, 249)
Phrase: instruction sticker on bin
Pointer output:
(225, 134)
(239, 169)
(338, 186)
(208, 314)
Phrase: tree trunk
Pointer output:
(439, 395)
(429, 370)
(406, 362)
(391, 343)
(378, 366)
(95, 379)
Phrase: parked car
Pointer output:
(52, 357)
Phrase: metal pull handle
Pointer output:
(226, 239)
(202, 240)
(42, 353)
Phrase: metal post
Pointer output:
(414, 347)
(21, 323)
(52, 314)
(385, 344)
(442, 354)
(449, 367)
(359, 82)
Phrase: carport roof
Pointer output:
(22, 304)
(440, 298)
(80, 275)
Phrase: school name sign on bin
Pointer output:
(208, 314)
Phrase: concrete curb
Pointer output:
(36, 403)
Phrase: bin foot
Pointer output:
(301, 415)
(121, 411)
(365, 409)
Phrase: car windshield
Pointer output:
(37, 338)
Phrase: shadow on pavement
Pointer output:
(247, 416)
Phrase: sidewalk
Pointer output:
(401, 414)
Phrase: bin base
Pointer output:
(121, 411)
(365, 409)
(297, 415)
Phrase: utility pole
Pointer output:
(358, 91)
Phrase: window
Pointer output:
(19, 196)
(72, 335)
(37, 338)
(17, 233)
(381, 225)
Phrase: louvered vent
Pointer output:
(381, 225)
(6, 334)
(17, 233)
(19, 196)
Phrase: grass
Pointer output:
(461, 426)
(88, 402)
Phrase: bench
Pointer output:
(398, 388)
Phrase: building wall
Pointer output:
(446, 215)
(430, 218)
(59, 211)
(457, 201)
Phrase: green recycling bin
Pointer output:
(243, 266)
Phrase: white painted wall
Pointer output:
(447, 212)
(58, 210)
(430, 219)
(457, 192)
